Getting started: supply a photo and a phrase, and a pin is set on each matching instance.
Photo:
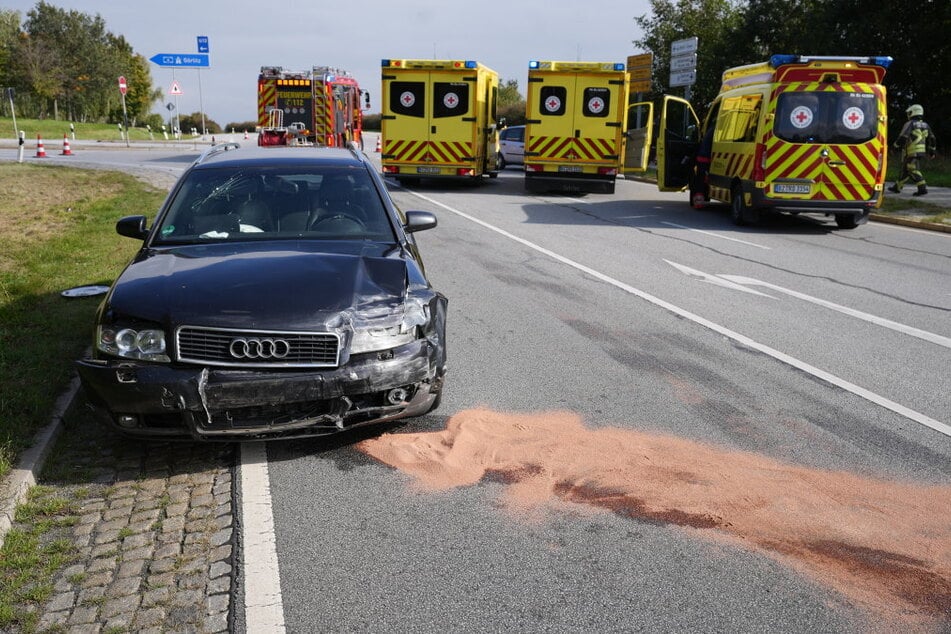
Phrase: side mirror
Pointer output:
(132, 227)
(419, 221)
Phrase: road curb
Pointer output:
(17, 483)
(905, 222)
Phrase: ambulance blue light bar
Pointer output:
(778, 60)
(620, 66)
(533, 64)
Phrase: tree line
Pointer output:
(736, 32)
(64, 64)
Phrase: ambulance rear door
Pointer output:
(677, 142)
(638, 137)
(578, 120)
(832, 136)
(452, 130)
(405, 124)
(437, 118)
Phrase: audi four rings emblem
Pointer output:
(255, 348)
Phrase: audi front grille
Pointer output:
(257, 348)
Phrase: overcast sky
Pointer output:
(353, 36)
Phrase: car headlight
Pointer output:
(145, 344)
(383, 333)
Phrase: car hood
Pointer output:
(286, 286)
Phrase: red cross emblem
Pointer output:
(801, 117)
(853, 118)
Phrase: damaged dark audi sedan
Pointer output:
(278, 293)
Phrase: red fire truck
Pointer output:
(322, 106)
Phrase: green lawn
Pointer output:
(57, 231)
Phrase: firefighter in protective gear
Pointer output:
(915, 142)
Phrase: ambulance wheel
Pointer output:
(737, 207)
(740, 213)
(846, 221)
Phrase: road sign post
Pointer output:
(12, 111)
(197, 61)
(639, 70)
(203, 47)
(123, 88)
(683, 64)
(180, 60)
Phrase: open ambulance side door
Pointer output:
(638, 137)
(677, 143)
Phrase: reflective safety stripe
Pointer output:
(572, 149)
(428, 152)
(267, 96)
(322, 123)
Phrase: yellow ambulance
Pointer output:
(438, 119)
(575, 114)
(800, 134)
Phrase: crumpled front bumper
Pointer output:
(207, 403)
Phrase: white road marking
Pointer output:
(564, 199)
(717, 235)
(715, 279)
(879, 321)
(726, 332)
(263, 605)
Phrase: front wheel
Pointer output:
(741, 213)
(737, 207)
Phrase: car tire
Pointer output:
(740, 213)
(737, 207)
(846, 221)
(500, 162)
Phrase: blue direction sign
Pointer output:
(187, 60)
(202, 43)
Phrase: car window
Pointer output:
(516, 134)
(254, 203)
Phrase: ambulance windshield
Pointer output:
(826, 117)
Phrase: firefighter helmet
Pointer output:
(914, 110)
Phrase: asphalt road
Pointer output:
(829, 356)
(655, 421)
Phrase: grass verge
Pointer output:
(51, 130)
(32, 552)
(57, 231)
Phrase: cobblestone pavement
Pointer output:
(151, 533)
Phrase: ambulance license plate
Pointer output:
(791, 189)
(427, 170)
(569, 168)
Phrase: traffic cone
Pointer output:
(379, 144)
(40, 150)
(66, 150)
